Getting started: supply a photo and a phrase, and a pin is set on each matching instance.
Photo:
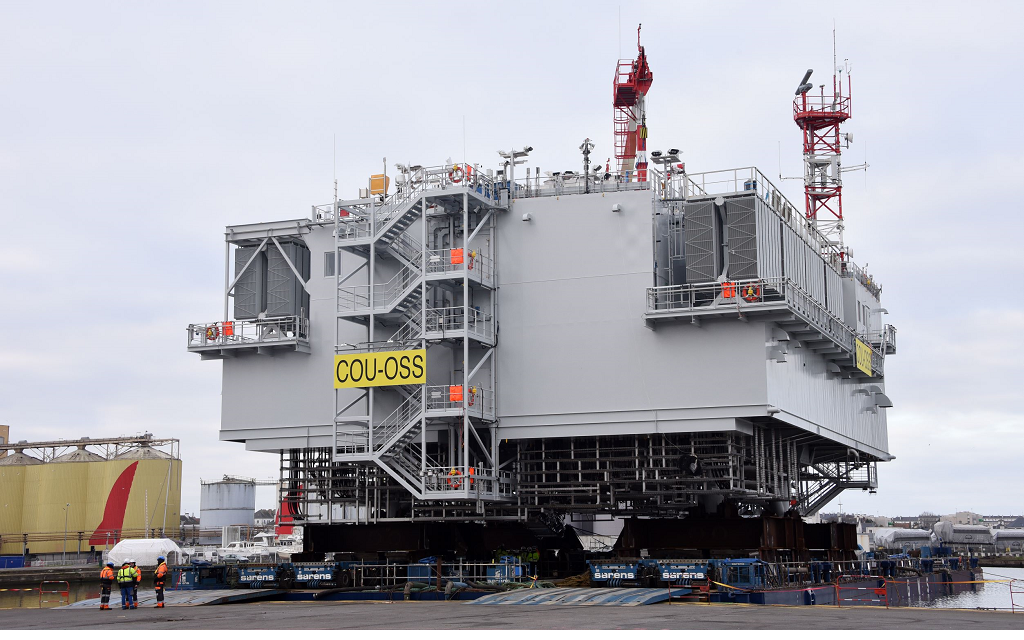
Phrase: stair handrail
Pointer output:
(396, 202)
(397, 420)
(405, 247)
(401, 280)
(408, 331)
(357, 296)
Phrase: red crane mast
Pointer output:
(631, 83)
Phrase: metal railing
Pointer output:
(398, 420)
(476, 479)
(884, 339)
(385, 294)
(351, 439)
(440, 261)
(356, 218)
(863, 277)
(371, 216)
(406, 337)
(406, 247)
(751, 294)
(377, 346)
(477, 399)
(409, 331)
(569, 183)
(445, 319)
(244, 333)
(807, 103)
(390, 577)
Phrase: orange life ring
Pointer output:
(456, 174)
(751, 292)
(212, 332)
(454, 478)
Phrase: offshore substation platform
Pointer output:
(474, 357)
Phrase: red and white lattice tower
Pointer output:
(819, 117)
(632, 82)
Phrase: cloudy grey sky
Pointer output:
(132, 133)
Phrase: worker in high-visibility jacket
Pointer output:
(106, 581)
(138, 580)
(159, 576)
(126, 582)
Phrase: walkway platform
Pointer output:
(582, 596)
(185, 598)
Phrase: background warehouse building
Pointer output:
(77, 495)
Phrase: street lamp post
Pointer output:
(64, 553)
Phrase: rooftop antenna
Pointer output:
(586, 148)
(819, 118)
(335, 205)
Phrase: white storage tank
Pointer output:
(227, 502)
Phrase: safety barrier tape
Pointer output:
(955, 582)
(830, 585)
(33, 589)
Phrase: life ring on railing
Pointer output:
(472, 259)
(751, 292)
(212, 333)
(472, 395)
(456, 174)
(454, 478)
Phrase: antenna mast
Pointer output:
(632, 82)
(819, 117)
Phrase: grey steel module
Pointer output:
(644, 348)
(643, 341)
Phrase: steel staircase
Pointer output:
(397, 295)
(380, 232)
(411, 329)
(391, 440)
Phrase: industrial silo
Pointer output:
(155, 504)
(13, 471)
(227, 502)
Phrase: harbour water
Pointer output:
(990, 595)
(28, 596)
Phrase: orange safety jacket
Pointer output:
(160, 574)
(107, 575)
(138, 574)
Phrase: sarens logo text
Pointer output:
(380, 369)
(607, 575)
(683, 575)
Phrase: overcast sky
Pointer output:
(132, 133)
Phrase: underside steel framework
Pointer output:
(767, 471)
